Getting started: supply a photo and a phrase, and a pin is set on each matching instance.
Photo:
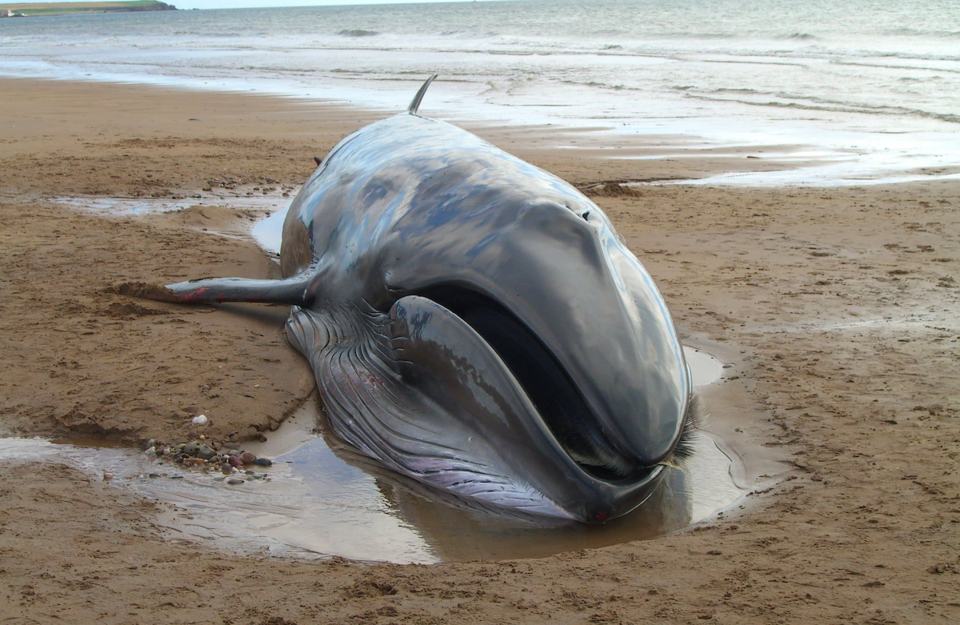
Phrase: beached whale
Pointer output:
(477, 323)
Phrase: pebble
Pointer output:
(200, 420)
(195, 461)
(150, 451)
(234, 461)
(192, 448)
(235, 481)
(263, 462)
(249, 472)
(206, 452)
(107, 476)
(151, 443)
(226, 469)
(248, 457)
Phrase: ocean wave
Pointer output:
(907, 56)
(595, 84)
(912, 32)
(694, 35)
(815, 104)
(745, 90)
(892, 66)
(357, 32)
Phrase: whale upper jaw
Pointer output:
(576, 318)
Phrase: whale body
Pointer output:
(477, 323)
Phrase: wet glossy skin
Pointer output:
(476, 323)
(393, 236)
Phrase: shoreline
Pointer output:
(858, 530)
(811, 156)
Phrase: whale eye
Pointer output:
(578, 210)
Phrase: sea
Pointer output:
(855, 92)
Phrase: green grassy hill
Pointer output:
(29, 9)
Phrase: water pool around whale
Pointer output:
(321, 498)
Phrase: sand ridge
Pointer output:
(837, 307)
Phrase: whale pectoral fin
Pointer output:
(295, 291)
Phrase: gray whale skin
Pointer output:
(476, 323)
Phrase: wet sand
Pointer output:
(837, 308)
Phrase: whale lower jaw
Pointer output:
(543, 379)
(425, 395)
(373, 409)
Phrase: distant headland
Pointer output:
(34, 9)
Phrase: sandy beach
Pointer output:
(836, 307)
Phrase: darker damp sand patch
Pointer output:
(145, 290)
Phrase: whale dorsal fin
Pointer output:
(412, 109)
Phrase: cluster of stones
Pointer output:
(197, 453)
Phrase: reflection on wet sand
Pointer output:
(451, 529)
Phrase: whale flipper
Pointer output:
(294, 291)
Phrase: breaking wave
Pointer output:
(358, 32)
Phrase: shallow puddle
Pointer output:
(149, 206)
(320, 498)
(268, 232)
(704, 368)
(408, 522)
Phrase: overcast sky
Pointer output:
(238, 4)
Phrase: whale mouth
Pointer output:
(546, 383)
